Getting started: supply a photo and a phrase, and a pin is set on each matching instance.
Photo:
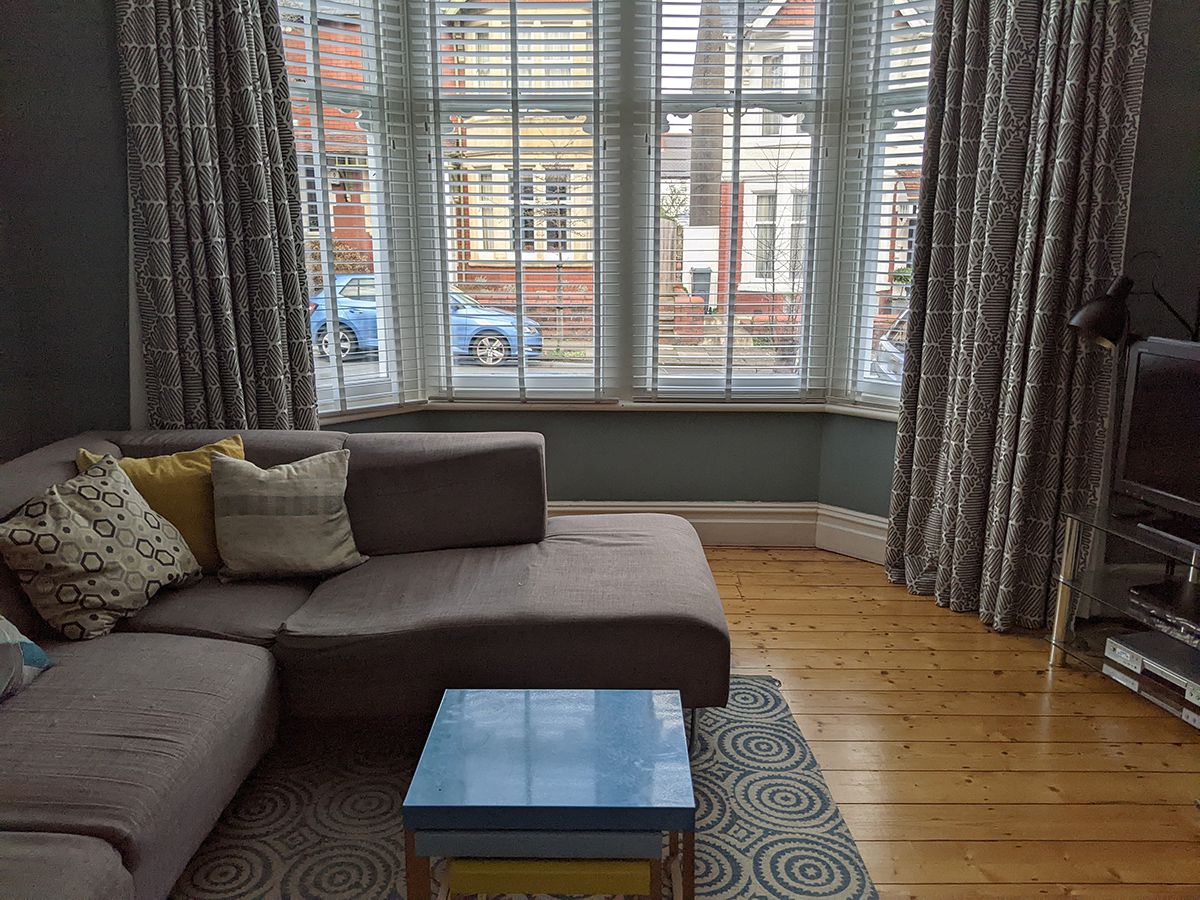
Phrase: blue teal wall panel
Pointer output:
(857, 457)
(690, 456)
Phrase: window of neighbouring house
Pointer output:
(771, 79)
(797, 246)
(557, 210)
(764, 232)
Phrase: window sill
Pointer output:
(861, 412)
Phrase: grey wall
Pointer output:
(842, 460)
(64, 296)
(697, 456)
(1164, 214)
(857, 458)
(64, 304)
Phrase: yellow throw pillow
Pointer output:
(179, 488)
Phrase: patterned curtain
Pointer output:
(215, 207)
(1033, 111)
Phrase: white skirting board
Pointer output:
(817, 525)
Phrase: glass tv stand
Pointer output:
(1128, 594)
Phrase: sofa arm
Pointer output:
(410, 492)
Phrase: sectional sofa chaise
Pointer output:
(115, 764)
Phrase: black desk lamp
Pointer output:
(1105, 320)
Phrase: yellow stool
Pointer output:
(483, 876)
(555, 876)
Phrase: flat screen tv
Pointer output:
(1158, 451)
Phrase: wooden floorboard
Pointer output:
(985, 727)
(1060, 681)
(922, 624)
(837, 602)
(866, 640)
(998, 703)
(988, 756)
(962, 764)
(991, 861)
(960, 821)
(1012, 891)
(1029, 659)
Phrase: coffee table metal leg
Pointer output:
(689, 865)
(416, 870)
(672, 843)
(656, 879)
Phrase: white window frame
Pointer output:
(518, 382)
(881, 107)
(406, 147)
(394, 377)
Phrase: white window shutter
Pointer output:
(609, 199)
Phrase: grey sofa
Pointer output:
(115, 763)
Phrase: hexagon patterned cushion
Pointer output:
(90, 552)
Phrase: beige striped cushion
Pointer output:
(287, 520)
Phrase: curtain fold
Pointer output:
(218, 251)
(1032, 121)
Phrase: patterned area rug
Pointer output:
(320, 816)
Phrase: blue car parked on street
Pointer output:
(486, 335)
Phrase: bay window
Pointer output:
(485, 164)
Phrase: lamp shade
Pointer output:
(1105, 320)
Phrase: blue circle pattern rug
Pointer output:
(767, 824)
(320, 818)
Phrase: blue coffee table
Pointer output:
(509, 776)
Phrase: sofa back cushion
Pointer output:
(263, 448)
(406, 492)
(90, 551)
(413, 492)
(31, 474)
(27, 476)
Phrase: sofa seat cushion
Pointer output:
(139, 740)
(622, 601)
(251, 612)
(36, 865)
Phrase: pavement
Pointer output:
(698, 359)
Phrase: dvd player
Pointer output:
(1160, 668)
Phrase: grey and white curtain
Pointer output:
(214, 195)
(1033, 114)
